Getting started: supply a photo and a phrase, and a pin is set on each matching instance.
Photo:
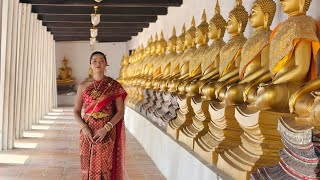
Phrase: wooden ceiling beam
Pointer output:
(89, 25)
(110, 30)
(105, 19)
(119, 11)
(99, 39)
(64, 33)
(108, 3)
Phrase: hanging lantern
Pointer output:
(94, 32)
(95, 18)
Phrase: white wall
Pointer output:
(178, 15)
(78, 54)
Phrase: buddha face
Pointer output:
(64, 63)
(147, 50)
(158, 48)
(213, 31)
(233, 26)
(188, 42)
(200, 38)
(152, 48)
(289, 6)
(180, 44)
(256, 17)
(171, 46)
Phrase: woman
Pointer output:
(102, 134)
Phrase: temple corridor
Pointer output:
(50, 151)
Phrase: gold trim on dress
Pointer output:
(98, 115)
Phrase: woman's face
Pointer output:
(98, 63)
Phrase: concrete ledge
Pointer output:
(171, 157)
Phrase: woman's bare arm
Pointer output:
(78, 106)
(120, 111)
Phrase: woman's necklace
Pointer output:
(95, 93)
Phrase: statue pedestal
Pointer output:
(260, 143)
(183, 116)
(224, 133)
(300, 156)
(65, 89)
(186, 139)
(199, 124)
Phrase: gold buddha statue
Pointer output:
(293, 48)
(147, 55)
(179, 84)
(158, 62)
(65, 74)
(150, 63)
(168, 60)
(175, 64)
(209, 59)
(200, 55)
(123, 70)
(230, 54)
(254, 64)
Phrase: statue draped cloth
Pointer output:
(104, 160)
(284, 39)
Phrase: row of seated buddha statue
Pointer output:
(250, 106)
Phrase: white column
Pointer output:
(51, 72)
(48, 72)
(3, 108)
(27, 46)
(18, 74)
(8, 61)
(32, 73)
(37, 66)
(42, 74)
(55, 76)
(12, 97)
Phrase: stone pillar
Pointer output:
(55, 93)
(3, 63)
(26, 46)
(9, 15)
(38, 69)
(32, 73)
(20, 69)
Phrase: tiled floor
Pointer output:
(50, 152)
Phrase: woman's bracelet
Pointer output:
(83, 126)
(110, 124)
(106, 126)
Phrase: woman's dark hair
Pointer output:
(98, 52)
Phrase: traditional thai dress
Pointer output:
(104, 160)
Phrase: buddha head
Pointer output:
(190, 35)
(238, 19)
(146, 51)
(138, 54)
(262, 14)
(161, 45)
(181, 38)
(153, 45)
(202, 30)
(125, 60)
(217, 25)
(295, 7)
(172, 42)
(131, 56)
(64, 62)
